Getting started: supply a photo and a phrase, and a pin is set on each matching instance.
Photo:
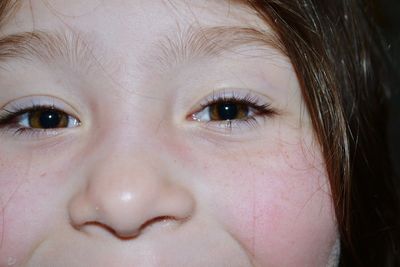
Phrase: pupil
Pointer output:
(49, 119)
(227, 111)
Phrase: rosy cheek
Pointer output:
(277, 206)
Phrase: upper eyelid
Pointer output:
(23, 111)
(251, 100)
(263, 109)
(10, 116)
(27, 102)
(233, 94)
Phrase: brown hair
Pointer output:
(340, 63)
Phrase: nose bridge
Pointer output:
(127, 190)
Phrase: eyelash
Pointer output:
(9, 120)
(260, 107)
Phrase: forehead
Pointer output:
(130, 14)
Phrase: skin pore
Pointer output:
(142, 176)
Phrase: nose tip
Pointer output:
(126, 206)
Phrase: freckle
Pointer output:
(43, 174)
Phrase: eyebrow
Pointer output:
(46, 46)
(191, 43)
(214, 41)
(8, 9)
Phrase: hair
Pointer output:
(341, 66)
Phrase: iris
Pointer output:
(48, 119)
(229, 111)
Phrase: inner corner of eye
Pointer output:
(192, 117)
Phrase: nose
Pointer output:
(126, 198)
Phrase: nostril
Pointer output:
(161, 221)
(95, 228)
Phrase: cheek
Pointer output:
(277, 205)
(29, 200)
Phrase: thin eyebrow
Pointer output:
(47, 46)
(214, 41)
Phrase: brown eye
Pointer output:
(47, 119)
(227, 111)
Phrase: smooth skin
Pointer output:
(140, 180)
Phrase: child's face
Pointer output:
(143, 171)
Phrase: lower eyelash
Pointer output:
(26, 132)
(250, 122)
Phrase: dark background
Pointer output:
(388, 13)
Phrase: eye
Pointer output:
(231, 107)
(224, 111)
(36, 119)
(46, 118)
